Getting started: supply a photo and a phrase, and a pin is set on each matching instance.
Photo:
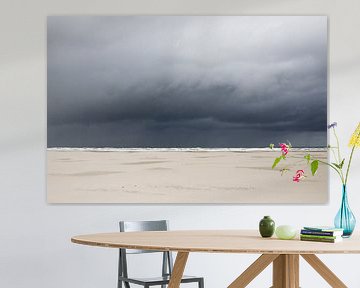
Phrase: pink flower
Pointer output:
(299, 175)
(284, 148)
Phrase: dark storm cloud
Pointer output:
(186, 81)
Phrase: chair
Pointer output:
(167, 262)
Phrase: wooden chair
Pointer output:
(167, 262)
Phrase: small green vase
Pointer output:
(267, 227)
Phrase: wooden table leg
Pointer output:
(279, 271)
(178, 269)
(324, 271)
(253, 270)
(286, 271)
(293, 262)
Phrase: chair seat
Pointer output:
(158, 280)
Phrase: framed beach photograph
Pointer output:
(182, 109)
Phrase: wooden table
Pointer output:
(284, 254)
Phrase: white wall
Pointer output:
(35, 248)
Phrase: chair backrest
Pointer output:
(137, 226)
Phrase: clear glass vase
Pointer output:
(345, 219)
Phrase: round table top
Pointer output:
(217, 241)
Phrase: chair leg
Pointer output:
(201, 283)
(120, 273)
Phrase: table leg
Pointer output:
(286, 271)
(253, 270)
(178, 269)
(324, 271)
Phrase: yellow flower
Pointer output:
(355, 138)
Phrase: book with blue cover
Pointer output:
(325, 231)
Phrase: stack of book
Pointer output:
(321, 234)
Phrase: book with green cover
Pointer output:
(319, 236)
(324, 240)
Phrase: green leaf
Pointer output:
(272, 146)
(342, 163)
(339, 166)
(276, 162)
(308, 158)
(336, 165)
(314, 166)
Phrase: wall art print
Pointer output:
(181, 109)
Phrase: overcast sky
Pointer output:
(176, 81)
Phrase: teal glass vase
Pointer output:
(345, 219)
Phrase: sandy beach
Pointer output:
(180, 177)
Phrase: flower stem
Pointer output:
(348, 167)
(351, 156)
(338, 145)
(340, 159)
(333, 152)
(332, 166)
